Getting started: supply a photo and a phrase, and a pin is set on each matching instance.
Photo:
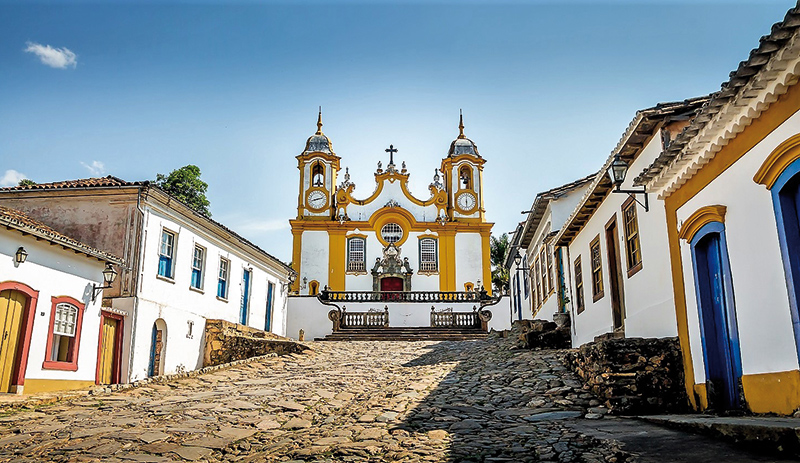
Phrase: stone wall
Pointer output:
(227, 342)
(633, 376)
(540, 334)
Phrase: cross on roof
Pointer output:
(391, 150)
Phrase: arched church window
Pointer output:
(391, 233)
(317, 175)
(465, 174)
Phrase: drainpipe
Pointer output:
(135, 315)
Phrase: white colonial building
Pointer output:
(182, 269)
(389, 241)
(538, 283)
(55, 334)
(617, 241)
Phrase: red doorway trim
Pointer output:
(21, 362)
(116, 369)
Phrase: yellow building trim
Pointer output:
(345, 197)
(449, 162)
(487, 262)
(304, 159)
(772, 392)
(447, 256)
(337, 256)
(773, 117)
(777, 161)
(701, 395)
(700, 218)
(325, 225)
(39, 386)
(297, 247)
(387, 215)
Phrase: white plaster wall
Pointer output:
(393, 191)
(54, 271)
(178, 304)
(649, 303)
(561, 208)
(314, 256)
(469, 260)
(759, 284)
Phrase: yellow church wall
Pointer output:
(336, 259)
(764, 391)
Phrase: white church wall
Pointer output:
(761, 299)
(54, 272)
(314, 257)
(469, 260)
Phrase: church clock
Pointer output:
(316, 200)
(466, 201)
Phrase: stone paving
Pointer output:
(346, 402)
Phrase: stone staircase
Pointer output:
(405, 334)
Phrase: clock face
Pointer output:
(466, 201)
(316, 199)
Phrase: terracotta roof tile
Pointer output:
(80, 183)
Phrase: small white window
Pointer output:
(427, 255)
(391, 233)
(66, 319)
(356, 256)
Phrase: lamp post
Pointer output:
(617, 171)
(520, 268)
(109, 275)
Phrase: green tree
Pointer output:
(498, 249)
(185, 185)
(26, 182)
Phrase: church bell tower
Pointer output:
(319, 167)
(463, 170)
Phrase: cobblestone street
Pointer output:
(366, 401)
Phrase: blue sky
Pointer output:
(547, 88)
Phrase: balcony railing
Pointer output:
(372, 318)
(446, 318)
(404, 296)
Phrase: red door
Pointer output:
(391, 284)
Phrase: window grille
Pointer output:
(391, 233)
(427, 255)
(65, 320)
(356, 258)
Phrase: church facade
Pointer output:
(390, 240)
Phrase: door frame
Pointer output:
(117, 367)
(732, 327)
(21, 362)
(616, 282)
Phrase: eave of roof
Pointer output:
(13, 219)
(540, 204)
(628, 148)
(758, 80)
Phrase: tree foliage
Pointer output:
(498, 249)
(185, 185)
(26, 182)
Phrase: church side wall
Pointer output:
(469, 260)
(314, 258)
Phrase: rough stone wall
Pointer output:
(227, 342)
(540, 334)
(633, 375)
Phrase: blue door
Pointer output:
(717, 317)
(245, 297)
(268, 319)
(786, 200)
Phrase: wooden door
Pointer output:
(12, 307)
(615, 276)
(108, 351)
(156, 349)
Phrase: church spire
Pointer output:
(461, 125)
(319, 122)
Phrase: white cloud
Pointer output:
(96, 168)
(11, 178)
(59, 58)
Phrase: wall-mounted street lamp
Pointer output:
(20, 256)
(617, 172)
(109, 274)
(304, 284)
(291, 277)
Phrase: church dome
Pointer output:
(462, 144)
(319, 142)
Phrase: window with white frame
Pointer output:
(356, 254)
(428, 257)
(222, 279)
(198, 262)
(65, 324)
(165, 254)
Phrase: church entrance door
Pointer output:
(391, 284)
